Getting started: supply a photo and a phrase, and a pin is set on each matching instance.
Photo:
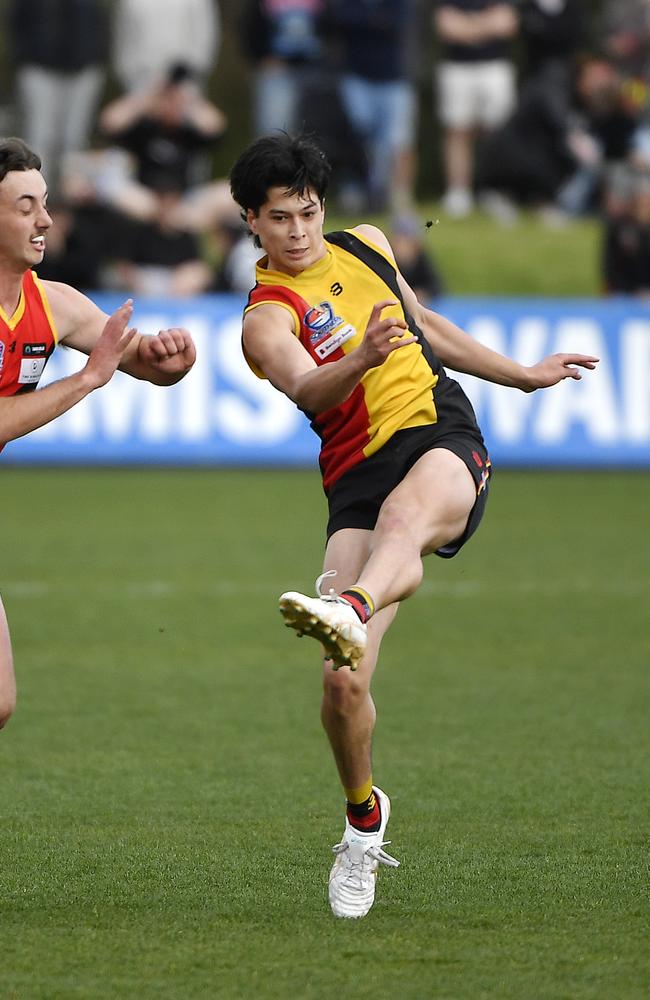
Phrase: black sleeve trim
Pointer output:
(388, 274)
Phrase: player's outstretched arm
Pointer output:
(457, 350)
(163, 359)
(26, 412)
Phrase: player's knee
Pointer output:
(344, 691)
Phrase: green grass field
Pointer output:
(475, 256)
(167, 798)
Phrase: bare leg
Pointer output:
(403, 180)
(458, 152)
(7, 678)
(428, 509)
(348, 711)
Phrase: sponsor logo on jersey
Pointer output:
(2, 355)
(31, 370)
(328, 331)
(29, 350)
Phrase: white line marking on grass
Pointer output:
(465, 588)
(142, 589)
(150, 588)
(540, 588)
(26, 588)
(461, 589)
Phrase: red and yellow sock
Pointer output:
(361, 601)
(363, 808)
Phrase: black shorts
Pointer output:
(356, 498)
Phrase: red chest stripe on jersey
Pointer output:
(344, 428)
(280, 295)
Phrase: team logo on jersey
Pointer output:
(2, 355)
(485, 474)
(327, 331)
(320, 319)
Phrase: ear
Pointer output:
(251, 220)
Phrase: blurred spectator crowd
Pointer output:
(534, 105)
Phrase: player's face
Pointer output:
(24, 219)
(290, 229)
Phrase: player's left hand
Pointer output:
(552, 369)
(171, 352)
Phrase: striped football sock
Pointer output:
(363, 808)
(361, 601)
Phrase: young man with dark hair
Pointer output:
(333, 325)
(36, 315)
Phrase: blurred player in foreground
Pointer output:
(35, 316)
(333, 325)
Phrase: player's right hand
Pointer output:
(111, 345)
(383, 336)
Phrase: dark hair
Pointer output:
(16, 155)
(294, 163)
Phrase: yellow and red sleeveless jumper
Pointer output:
(330, 303)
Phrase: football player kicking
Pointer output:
(332, 324)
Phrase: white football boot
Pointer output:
(354, 873)
(330, 619)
